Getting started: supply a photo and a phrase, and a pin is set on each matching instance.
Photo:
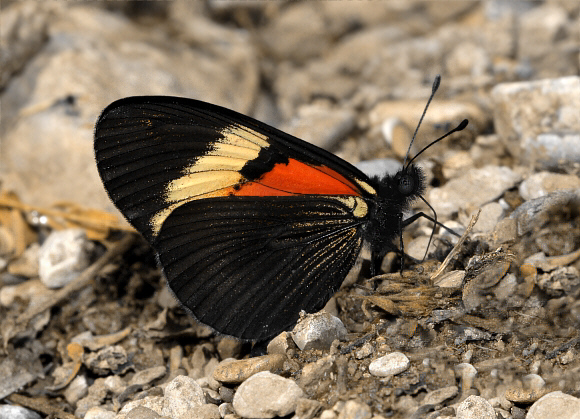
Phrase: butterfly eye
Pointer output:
(406, 184)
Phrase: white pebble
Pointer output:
(391, 364)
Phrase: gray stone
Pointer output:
(146, 408)
(536, 212)
(472, 190)
(491, 214)
(318, 331)
(542, 41)
(182, 396)
(553, 150)
(438, 396)
(95, 397)
(524, 111)
(23, 30)
(17, 412)
(315, 372)
(468, 59)
(266, 395)
(108, 359)
(442, 116)
(98, 412)
(390, 364)
(307, 409)
(321, 125)
(280, 344)
(506, 287)
(63, 256)
(77, 389)
(148, 375)
(543, 183)
(354, 409)
(555, 405)
(475, 407)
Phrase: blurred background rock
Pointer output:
(331, 72)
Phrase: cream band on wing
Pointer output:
(212, 174)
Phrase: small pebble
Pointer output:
(438, 396)
(237, 371)
(115, 384)
(76, 390)
(328, 414)
(183, 393)
(139, 412)
(318, 331)
(183, 399)
(148, 375)
(397, 135)
(266, 395)
(17, 412)
(315, 372)
(98, 412)
(475, 407)
(467, 373)
(280, 344)
(321, 125)
(355, 410)
(555, 405)
(474, 188)
(27, 264)
(32, 290)
(226, 394)
(307, 409)
(542, 183)
(531, 389)
(364, 351)
(63, 256)
(225, 409)
(108, 359)
(229, 347)
(391, 364)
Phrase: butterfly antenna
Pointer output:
(436, 84)
(459, 127)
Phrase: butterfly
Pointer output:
(250, 225)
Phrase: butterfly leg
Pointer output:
(414, 218)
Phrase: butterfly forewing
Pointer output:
(156, 153)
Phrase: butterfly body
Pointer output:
(251, 225)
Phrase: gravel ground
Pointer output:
(485, 327)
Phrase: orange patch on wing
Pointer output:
(297, 178)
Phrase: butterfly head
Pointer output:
(410, 181)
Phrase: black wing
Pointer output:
(247, 266)
(145, 146)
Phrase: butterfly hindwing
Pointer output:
(247, 266)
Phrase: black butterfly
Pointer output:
(251, 225)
